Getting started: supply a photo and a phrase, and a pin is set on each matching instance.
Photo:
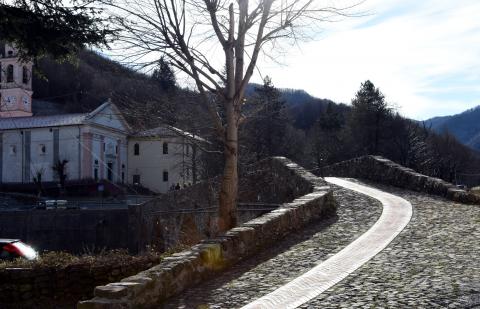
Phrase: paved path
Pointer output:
(433, 263)
(395, 217)
(289, 258)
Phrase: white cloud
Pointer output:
(424, 56)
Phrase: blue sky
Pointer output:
(423, 55)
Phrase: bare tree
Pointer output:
(188, 33)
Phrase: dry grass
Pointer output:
(55, 259)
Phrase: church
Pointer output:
(99, 145)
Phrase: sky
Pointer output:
(423, 55)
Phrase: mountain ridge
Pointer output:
(465, 126)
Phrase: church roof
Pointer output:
(167, 131)
(12, 123)
(45, 121)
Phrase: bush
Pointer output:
(54, 259)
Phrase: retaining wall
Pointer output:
(150, 288)
(62, 287)
(381, 170)
(189, 215)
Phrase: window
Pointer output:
(165, 176)
(136, 179)
(25, 78)
(165, 148)
(96, 162)
(12, 150)
(136, 150)
(188, 150)
(123, 177)
(10, 73)
(95, 173)
(42, 149)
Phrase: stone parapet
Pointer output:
(381, 170)
(174, 274)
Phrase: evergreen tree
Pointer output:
(266, 128)
(165, 76)
(369, 114)
(325, 140)
(55, 27)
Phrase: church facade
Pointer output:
(99, 145)
(94, 144)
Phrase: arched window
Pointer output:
(10, 73)
(136, 149)
(25, 78)
(165, 148)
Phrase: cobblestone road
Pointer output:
(433, 263)
(295, 255)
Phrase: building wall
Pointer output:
(108, 118)
(12, 156)
(106, 147)
(151, 163)
(17, 168)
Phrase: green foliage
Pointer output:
(267, 126)
(165, 76)
(55, 27)
(369, 113)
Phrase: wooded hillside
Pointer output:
(314, 132)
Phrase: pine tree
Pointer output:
(369, 113)
(54, 27)
(325, 143)
(165, 76)
(265, 131)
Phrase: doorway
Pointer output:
(110, 171)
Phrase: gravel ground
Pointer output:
(290, 258)
(433, 263)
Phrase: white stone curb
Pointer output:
(396, 214)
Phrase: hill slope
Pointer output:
(464, 126)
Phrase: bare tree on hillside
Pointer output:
(188, 33)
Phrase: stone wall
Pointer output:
(179, 217)
(379, 169)
(62, 287)
(189, 215)
(150, 288)
(71, 230)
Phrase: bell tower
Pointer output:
(15, 83)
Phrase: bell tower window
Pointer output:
(25, 78)
(10, 73)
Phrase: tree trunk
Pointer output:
(229, 187)
(194, 163)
